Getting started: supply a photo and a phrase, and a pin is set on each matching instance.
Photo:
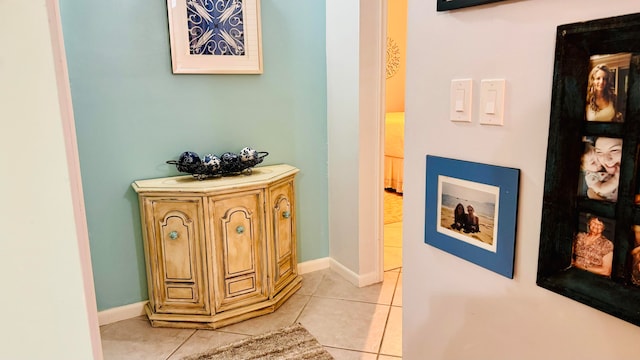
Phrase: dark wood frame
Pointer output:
(444, 5)
(575, 43)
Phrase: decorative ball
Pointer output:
(248, 154)
(211, 162)
(229, 158)
(187, 160)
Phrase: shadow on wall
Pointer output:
(494, 328)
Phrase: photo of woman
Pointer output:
(600, 168)
(635, 257)
(459, 218)
(473, 223)
(607, 87)
(592, 249)
(635, 266)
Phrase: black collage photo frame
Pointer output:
(590, 232)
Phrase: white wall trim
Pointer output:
(313, 265)
(355, 124)
(121, 313)
(75, 181)
(357, 280)
(373, 21)
(129, 311)
(345, 272)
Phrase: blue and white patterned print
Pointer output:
(211, 162)
(216, 27)
(248, 154)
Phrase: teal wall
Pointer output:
(132, 114)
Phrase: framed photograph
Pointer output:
(590, 231)
(215, 36)
(607, 86)
(444, 5)
(471, 211)
(592, 248)
(599, 168)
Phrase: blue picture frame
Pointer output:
(491, 192)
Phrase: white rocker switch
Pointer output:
(492, 102)
(460, 100)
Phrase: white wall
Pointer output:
(354, 108)
(46, 312)
(454, 309)
(342, 130)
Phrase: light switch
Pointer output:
(460, 99)
(492, 102)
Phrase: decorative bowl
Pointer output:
(227, 164)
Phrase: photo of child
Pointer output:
(598, 180)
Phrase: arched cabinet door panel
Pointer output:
(177, 279)
(239, 247)
(283, 234)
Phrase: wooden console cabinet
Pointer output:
(221, 250)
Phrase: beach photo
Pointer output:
(467, 211)
(471, 210)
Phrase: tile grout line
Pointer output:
(386, 324)
(181, 344)
(297, 319)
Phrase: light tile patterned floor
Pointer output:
(351, 322)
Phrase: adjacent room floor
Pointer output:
(351, 322)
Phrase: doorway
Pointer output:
(396, 23)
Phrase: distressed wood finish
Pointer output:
(178, 283)
(219, 251)
(282, 233)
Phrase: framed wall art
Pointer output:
(215, 36)
(444, 5)
(471, 211)
(590, 233)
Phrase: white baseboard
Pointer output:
(352, 277)
(132, 310)
(121, 313)
(313, 265)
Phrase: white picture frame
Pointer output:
(215, 36)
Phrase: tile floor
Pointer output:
(352, 323)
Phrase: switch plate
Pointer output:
(460, 101)
(492, 102)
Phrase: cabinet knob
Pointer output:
(240, 229)
(286, 214)
(173, 235)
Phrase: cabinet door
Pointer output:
(282, 239)
(239, 248)
(176, 249)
